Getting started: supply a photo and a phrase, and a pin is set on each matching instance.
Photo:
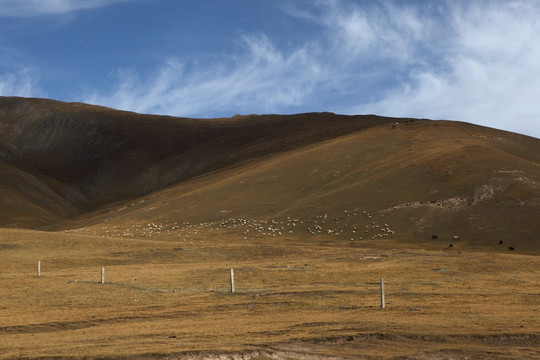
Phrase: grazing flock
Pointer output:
(352, 225)
(348, 225)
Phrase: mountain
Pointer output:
(365, 178)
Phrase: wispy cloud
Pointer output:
(21, 83)
(378, 31)
(354, 51)
(27, 8)
(483, 69)
(471, 61)
(261, 78)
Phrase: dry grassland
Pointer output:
(165, 299)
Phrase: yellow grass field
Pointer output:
(169, 298)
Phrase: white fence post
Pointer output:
(103, 275)
(232, 280)
(39, 268)
(383, 302)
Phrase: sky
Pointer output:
(469, 60)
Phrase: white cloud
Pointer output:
(381, 31)
(27, 8)
(21, 83)
(260, 79)
(490, 71)
(263, 78)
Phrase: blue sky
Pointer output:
(475, 61)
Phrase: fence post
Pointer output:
(232, 280)
(39, 268)
(383, 302)
(103, 275)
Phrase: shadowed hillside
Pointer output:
(66, 159)
(420, 181)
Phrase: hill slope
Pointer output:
(68, 159)
(360, 178)
(406, 183)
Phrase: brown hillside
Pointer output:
(403, 184)
(81, 157)
(417, 179)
